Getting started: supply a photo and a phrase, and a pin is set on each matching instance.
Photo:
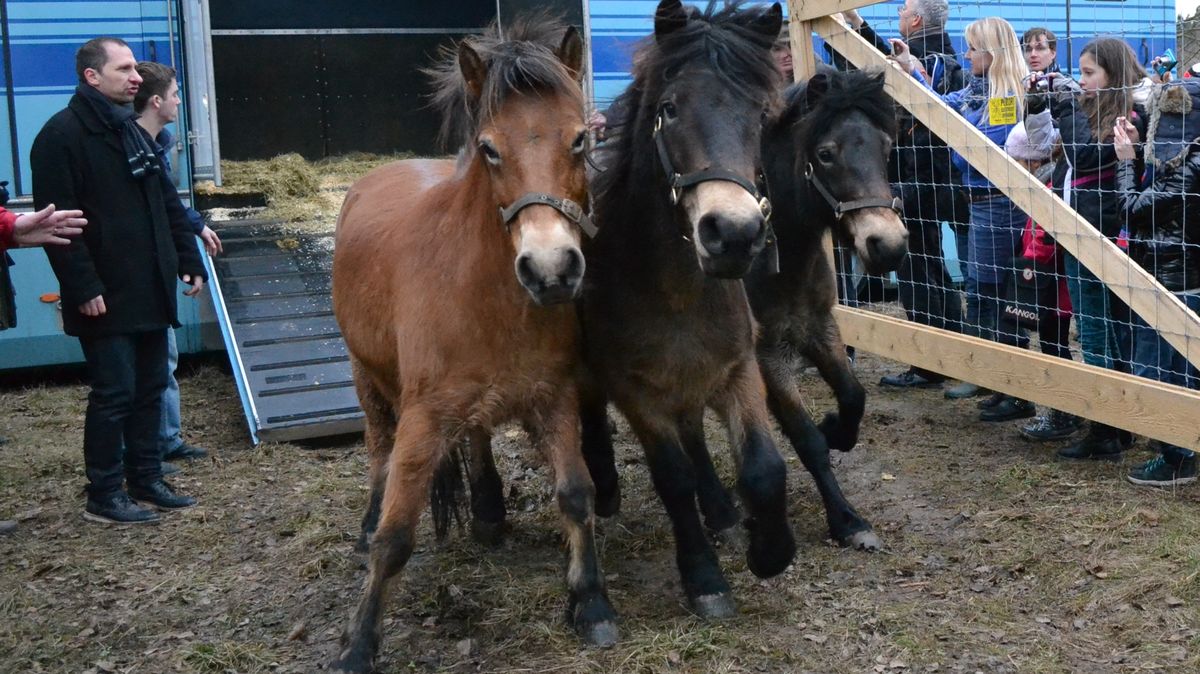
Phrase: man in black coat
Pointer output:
(119, 280)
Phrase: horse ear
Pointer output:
(818, 85)
(473, 70)
(770, 22)
(670, 17)
(570, 52)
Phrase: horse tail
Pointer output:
(447, 493)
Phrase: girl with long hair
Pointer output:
(1086, 178)
(994, 235)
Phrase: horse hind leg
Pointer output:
(846, 526)
(762, 474)
(716, 503)
(828, 353)
(589, 610)
(598, 450)
(674, 480)
(487, 490)
(415, 456)
(379, 438)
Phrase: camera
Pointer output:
(1041, 82)
(1164, 63)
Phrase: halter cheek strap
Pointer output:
(570, 210)
(841, 208)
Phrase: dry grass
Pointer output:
(1000, 559)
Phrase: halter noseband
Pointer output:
(679, 181)
(570, 210)
(841, 208)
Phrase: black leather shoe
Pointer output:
(1007, 409)
(909, 379)
(117, 508)
(160, 495)
(991, 401)
(1102, 442)
(184, 452)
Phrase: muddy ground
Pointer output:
(999, 559)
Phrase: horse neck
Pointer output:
(472, 221)
(800, 217)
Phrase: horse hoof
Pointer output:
(732, 538)
(608, 503)
(865, 540)
(713, 606)
(769, 554)
(352, 662)
(363, 545)
(490, 534)
(601, 635)
(836, 436)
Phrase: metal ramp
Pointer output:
(271, 291)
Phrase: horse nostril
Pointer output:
(710, 234)
(574, 267)
(525, 273)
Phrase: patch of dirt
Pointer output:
(999, 559)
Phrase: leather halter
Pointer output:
(678, 181)
(570, 210)
(841, 208)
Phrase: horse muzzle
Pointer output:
(880, 238)
(551, 276)
(729, 227)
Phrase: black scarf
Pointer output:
(121, 118)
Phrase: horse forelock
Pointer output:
(717, 41)
(521, 61)
(853, 91)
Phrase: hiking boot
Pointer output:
(1158, 472)
(184, 452)
(117, 508)
(1054, 425)
(1102, 442)
(910, 379)
(169, 468)
(160, 495)
(964, 390)
(1008, 409)
(991, 401)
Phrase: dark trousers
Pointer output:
(120, 432)
(1054, 333)
(926, 290)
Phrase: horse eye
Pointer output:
(826, 156)
(489, 153)
(580, 142)
(668, 109)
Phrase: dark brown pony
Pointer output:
(825, 162)
(667, 323)
(452, 285)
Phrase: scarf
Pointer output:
(121, 119)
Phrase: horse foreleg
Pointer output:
(846, 526)
(762, 474)
(415, 455)
(674, 480)
(828, 353)
(487, 490)
(598, 450)
(379, 438)
(720, 513)
(589, 610)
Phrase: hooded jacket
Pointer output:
(1164, 216)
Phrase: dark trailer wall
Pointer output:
(326, 78)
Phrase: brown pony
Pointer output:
(452, 285)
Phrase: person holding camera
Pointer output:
(1164, 236)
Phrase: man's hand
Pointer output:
(853, 18)
(196, 282)
(901, 56)
(47, 226)
(93, 307)
(212, 242)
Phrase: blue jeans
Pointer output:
(970, 286)
(169, 433)
(1093, 315)
(1154, 358)
(993, 240)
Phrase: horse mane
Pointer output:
(848, 91)
(724, 39)
(520, 60)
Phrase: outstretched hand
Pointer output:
(47, 226)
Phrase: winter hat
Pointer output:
(1174, 126)
(1018, 145)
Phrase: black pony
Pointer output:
(825, 161)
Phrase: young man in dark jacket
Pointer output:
(119, 280)
(928, 183)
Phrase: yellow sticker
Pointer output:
(1002, 110)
